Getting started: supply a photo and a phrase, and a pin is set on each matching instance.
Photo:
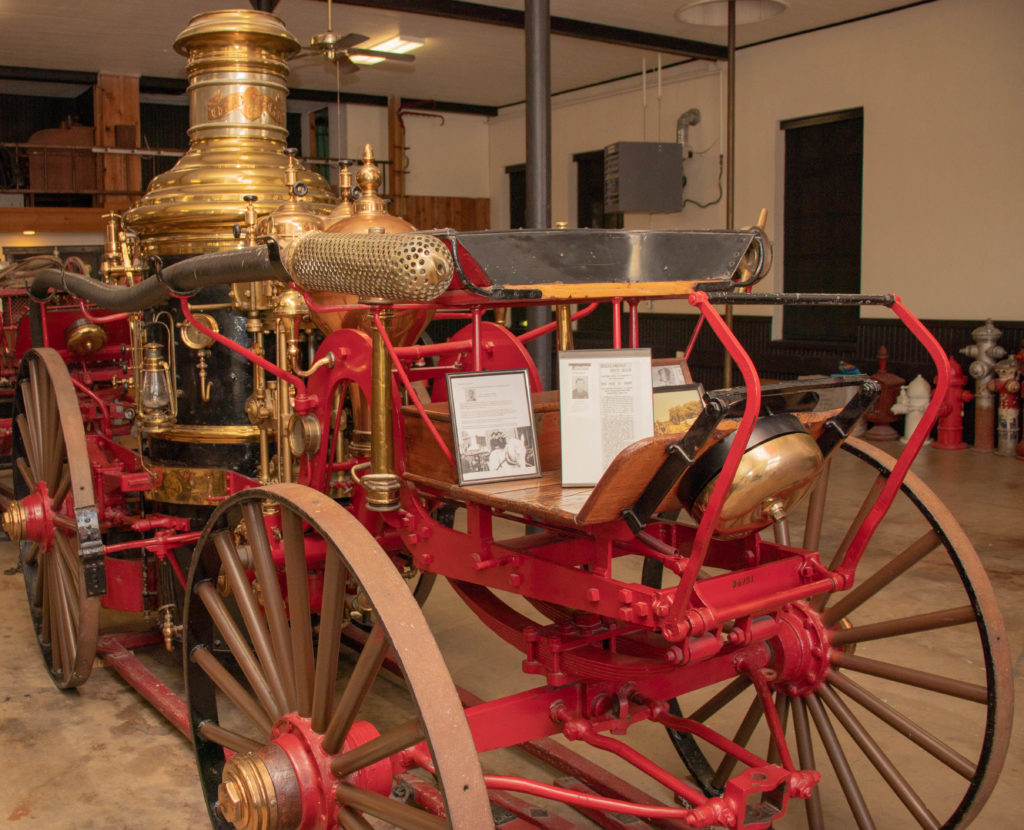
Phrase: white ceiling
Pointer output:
(463, 61)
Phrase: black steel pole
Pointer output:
(538, 157)
(730, 164)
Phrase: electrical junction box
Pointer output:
(643, 177)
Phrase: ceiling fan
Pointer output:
(340, 49)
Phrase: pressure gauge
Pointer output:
(304, 434)
(193, 337)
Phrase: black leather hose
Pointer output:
(185, 277)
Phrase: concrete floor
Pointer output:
(99, 757)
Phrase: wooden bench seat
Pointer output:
(545, 498)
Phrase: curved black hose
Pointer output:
(146, 294)
(185, 277)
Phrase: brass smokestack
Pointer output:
(237, 71)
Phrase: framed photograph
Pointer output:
(670, 371)
(492, 426)
(677, 407)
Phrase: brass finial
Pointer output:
(291, 173)
(344, 208)
(369, 179)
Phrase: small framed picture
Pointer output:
(492, 426)
(677, 407)
(670, 371)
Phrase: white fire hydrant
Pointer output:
(913, 400)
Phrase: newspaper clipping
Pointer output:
(606, 405)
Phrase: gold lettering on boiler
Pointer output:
(251, 101)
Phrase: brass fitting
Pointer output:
(13, 521)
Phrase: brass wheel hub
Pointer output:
(288, 783)
(254, 791)
(30, 518)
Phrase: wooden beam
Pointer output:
(567, 27)
(52, 220)
(396, 154)
(116, 113)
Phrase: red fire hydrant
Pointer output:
(951, 413)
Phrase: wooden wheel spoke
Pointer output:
(66, 565)
(65, 523)
(298, 608)
(62, 489)
(723, 696)
(29, 465)
(782, 707)
(945, 618)
(819, 602)
(897, 783)
(854, 796)
(816, 508)
(911, 677)
(902, 724)
(358, 687)
(32, 418)
(332, 617)
(32, 555)
(6, 495)
(43, 602)
(883, 577)
(251, 616)
(226, 738)
(352, 821)
(273, 601)
(61, 620)
(224, 680)
(742, 737)
(805, 752)
(396, 812)
(239, 648)
(383, 746)
(51, 440)
(52, 451)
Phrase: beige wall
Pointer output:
(591, 119)
(940, 85)
(449, 159)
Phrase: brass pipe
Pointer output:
(284, 407)
(259, 393)
(563, 317)
(382, 458)
(381, 483)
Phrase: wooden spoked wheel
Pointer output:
(53, 508)
(913, 716)
(286, 730)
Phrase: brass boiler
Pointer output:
(234, 172)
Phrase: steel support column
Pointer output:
(538, 156)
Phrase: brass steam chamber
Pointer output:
(237, 69)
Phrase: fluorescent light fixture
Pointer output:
(396, 45)
(29, 233)
(399, 45)
(716, 12)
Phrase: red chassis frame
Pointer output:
(632, 647)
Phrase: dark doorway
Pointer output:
(516, 195)
(321, 143)
(590, 192)
(822, 224)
